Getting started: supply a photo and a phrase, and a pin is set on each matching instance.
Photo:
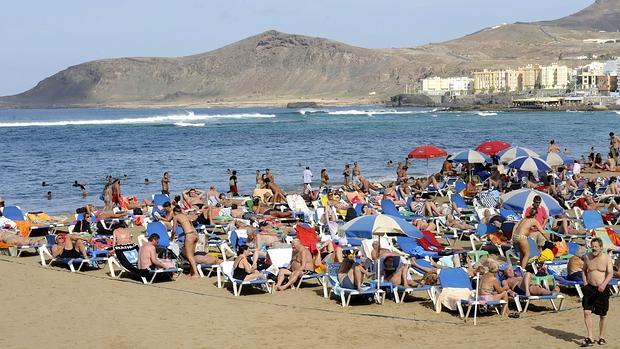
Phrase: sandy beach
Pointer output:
(54, 308)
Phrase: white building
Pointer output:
(597, 68)
(554, 77)
(455, 86)
(612, 67)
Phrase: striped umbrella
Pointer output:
(530, 164)
(367, 226)
(520, 200)
(515, 152)
(471, 156)
(557, 159)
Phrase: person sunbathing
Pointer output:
(12, 237)
(574, 268)
(193, 198)
(564, 225)
(453, 222)
(522, 285)
(69, 246)
(351, 275)
(398, 273)
(147, 255)
(262, 241)
(328, 252)
(120, 234)
(490, 288)
(423, 225)
(278, 194)
(243, 269)
(610, 164)
(301, 263)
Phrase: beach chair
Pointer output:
(399, 292)
(411, 247)
(345, 294)
(481, 236)
(592, 220)
(388, 207)
(457, 200)
(126, 260)
(227, 275)
(458, 278)
(47, 259)
(160, 199)
(559, 273)
(16, 214)
(528, 299)
(608, 245)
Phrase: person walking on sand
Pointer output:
(598, 271)
(307, 175)
(165, 184)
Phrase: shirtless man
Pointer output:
(147, 256)
(165, 184)
(598, 271)
(193, 198)
(191, 238)
(301, 262)
(522, 231)
(121, 235)
(574, 269)
(269, 175)
(553, 148)
(278, 194)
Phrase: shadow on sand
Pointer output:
(559, 334)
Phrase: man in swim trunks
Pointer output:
(191, 238)
(147, 255)
(598, 271)
(165, 184)
(301, 263)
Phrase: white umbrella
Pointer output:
(515, 152)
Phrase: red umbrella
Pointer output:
(427, 152)
(492, 147)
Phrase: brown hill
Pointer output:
(275, 65)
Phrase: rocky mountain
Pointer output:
(280, 66)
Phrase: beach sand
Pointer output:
(54, 308)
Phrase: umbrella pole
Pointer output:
(379, 264)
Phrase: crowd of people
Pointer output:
(269, 218)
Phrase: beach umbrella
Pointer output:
(492, 147)
(471, 156)
(515, 152)
(427, 151)
(529, 164)
(557, 159)
(366, 226)
(519, 200)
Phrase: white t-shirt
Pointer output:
(307, 176)
(5, 222)
(576, 168)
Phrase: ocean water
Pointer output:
(198, 146)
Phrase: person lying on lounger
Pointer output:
(69, 246)
(193, 198)
(351, 275)
(120, 234)
(10, 236)
(522, 286)
(398, 273)
(301, 263)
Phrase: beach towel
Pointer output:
(451, 297)
(24, 227)
(38, 217)
(307, 236)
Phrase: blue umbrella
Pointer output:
(471, 156)
(520, 200)
(364, 227)
(529, 164)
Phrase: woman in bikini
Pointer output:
(522, 231)
(351, 275)
(490, 289)
(522, 286)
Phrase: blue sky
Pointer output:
(39, 38)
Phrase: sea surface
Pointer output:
(198, 146)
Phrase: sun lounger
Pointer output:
(552, 298)
(345, 294)
(559, 275)
(227, 275)
(126, 260)
(457, 278)
(47, 259)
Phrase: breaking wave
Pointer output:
(176, 119)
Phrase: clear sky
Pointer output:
(40, 38)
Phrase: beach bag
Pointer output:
(546, 255)
(560, 249)
(613, 236)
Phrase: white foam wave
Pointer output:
(161, 119)
(311, 111)
(189, 124)
(375, 112)
(485, 113)
(618, 112)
